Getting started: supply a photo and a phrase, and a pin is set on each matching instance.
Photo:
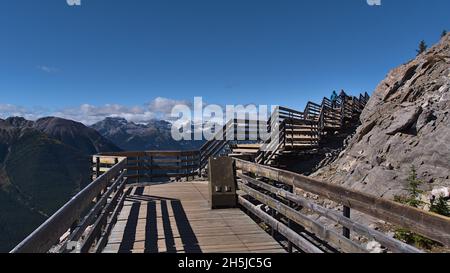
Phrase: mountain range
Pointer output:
(130, 136)
(43, 164)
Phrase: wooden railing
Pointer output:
(96, 206)
(233, 130)
(154, 165)
(276, 189)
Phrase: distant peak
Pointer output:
(57, 121)
(116, 119)
(18, 121)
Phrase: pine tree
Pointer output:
(413, 189)
(422, 47)
(440, 206)
(443, 33)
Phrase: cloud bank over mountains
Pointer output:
(159, 108)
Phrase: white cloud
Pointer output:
(159, 108)
(89, 114)
(47, 69)
(165, 105)
(10, 110)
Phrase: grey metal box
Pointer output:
(222, 183)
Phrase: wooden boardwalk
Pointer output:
(175, 217)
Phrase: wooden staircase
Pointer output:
(298, 132)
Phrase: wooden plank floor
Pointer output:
(176, 217)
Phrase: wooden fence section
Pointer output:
(233, 131)
(96, 207)
(155, 165)
(274, 188)
(102, 164)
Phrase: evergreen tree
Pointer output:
(440, 206)
(422, 47)
(413, 189)
(443, 33)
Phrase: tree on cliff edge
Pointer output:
(443, 33)
(422, 47)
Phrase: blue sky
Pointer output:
(119, 55)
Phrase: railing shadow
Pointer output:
(154, 229)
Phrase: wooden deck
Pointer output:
(175, 217)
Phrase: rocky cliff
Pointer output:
(405, 124)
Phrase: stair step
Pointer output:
(241, 156)
(300, 146)
(247, 146)
(245, 151)
(332, 126)
(301, 128)
(302, 138)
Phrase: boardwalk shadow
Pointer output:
(156, 224)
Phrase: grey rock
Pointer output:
(405, 123)
(404, 120)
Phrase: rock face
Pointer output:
(406, 123)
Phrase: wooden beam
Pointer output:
(391, 243)
(430, 225)
(309, 224)
(291, 235)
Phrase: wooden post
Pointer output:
(189, 167)
(272, 211)
(185, 166)
(138, 171)
(151, 168)
(178, 167)
(200, 165)
(289, 223)
(193, 166)
(116, 161)
(292, 130)
(97, 167)
(346, 231)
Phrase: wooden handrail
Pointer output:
(298, 240)
(387, 241)
(323, 232)
(49, 233)
(430, 225)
